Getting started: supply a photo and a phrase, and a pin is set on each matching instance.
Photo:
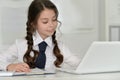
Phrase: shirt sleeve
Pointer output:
(69, 58)
(7, 57)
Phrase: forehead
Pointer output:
(47, 13)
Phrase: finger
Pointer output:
(21, 68)
(26, 69)
(25, 65)
(18, 70)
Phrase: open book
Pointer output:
(35, 71)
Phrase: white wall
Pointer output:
(112, 18)
(80, 20)
(12, 20)
(102, 20)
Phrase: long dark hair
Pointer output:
(35, 8)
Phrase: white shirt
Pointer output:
(17, 51)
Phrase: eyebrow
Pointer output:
(44, 18)
(47, 18)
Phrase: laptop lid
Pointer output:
(101, 57)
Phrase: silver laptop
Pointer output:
(101, 57)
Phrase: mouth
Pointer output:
(52, 30)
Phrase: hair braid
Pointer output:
(27, 57)
(56, 51)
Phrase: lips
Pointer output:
(52, 30)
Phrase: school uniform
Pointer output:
(18, 49)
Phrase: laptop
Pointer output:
(101, 57)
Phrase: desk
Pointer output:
(66, 76)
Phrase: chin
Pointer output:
(51, 33)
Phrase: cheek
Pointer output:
(39, 26)
(56, 24)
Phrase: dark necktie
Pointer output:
(41, 59)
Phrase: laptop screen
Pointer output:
(101, 57)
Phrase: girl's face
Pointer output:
(47, 23)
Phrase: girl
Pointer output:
(41, 29)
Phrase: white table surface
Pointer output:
(66, 76)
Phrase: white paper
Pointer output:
(35, 71)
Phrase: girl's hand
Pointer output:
(18, 67)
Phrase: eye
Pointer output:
(54, 20)
(45, 22)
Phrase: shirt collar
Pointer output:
(38, 39)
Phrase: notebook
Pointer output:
(35, 71)
(101, 57)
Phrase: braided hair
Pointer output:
(35, 8)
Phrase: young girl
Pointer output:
(41, 29)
